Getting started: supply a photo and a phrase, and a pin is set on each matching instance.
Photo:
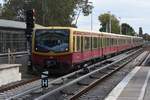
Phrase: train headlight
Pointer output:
(66, 49)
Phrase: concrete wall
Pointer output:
(9, 73)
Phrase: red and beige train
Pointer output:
(62, 49)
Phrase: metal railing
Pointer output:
(11, 55)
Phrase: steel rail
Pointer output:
(14, 85)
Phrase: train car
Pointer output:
(63, 49)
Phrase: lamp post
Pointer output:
(91, 5)
(120, 26)
(109, 21)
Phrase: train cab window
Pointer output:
(87, 42)
(52, 40)
(78, 45)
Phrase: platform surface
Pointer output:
(7, 66)
(135, 86)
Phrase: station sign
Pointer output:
(44, 79)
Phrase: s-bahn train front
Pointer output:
(51, 49)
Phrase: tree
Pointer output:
(104, 20)
(48, 12)
(13, 10)
(146, 37)
(140, 32)
(127, 29)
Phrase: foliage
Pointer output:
(146, 37)
(104, 20)
(48, 12)
(13, 9)
(127, 29)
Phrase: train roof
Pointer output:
(76, 29)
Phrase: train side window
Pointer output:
(112, 42)
(107, 42)
(78, 45)
(74, 44)
(94, 42)
(119, 42)
(87, 42)
(105, 45)
(100, 42)
(104, 42)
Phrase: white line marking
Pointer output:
(143, 90)
(114, 94)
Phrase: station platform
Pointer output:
(9, 73)
(135, 86)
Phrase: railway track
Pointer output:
(17, 84)
(63, 86)
(79, 86)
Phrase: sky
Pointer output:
(134, 12)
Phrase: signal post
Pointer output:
(30, 24)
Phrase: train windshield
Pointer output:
(52, 40)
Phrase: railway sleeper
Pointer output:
(58, 83)
(73, 76)
(94, 76)
(83, 83)
(85, 70)
(115, 65)
(111, 68)
(103, 72)
(67, 92)
(108, 61)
